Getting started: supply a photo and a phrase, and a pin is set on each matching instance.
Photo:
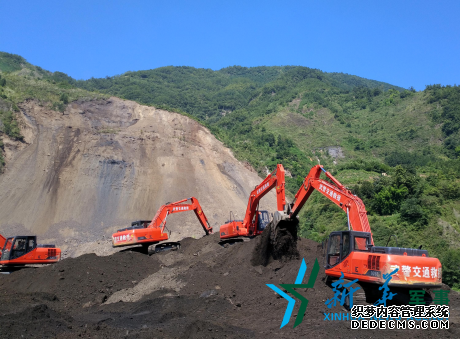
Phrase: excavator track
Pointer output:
(232, 241)
(167, 246)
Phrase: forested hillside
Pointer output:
(398, 149)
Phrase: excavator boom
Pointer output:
(159, 220)
(337, 193)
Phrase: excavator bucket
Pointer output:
(278, 240)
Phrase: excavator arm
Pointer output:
(248, 227)
(274, 179)
(337, 193)
(159, 220)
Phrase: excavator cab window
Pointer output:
(338, 248)
(361, 243)
(333, 254)
(19, 247)
(31, 244)
(7, 249)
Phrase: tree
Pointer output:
(388, 200)
(376, 91)
(411, 210)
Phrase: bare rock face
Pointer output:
(83, 174)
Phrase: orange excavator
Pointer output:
(255, 221)
(146, 232)
(23, 250)
(353, 252)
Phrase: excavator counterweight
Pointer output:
(146, 233)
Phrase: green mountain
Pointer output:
(396, 148)
(205, 93)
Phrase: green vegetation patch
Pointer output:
(11, 62)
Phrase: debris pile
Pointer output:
(202, 290)
(278, 241)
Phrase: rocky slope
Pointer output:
(101, 164)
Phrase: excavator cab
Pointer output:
(24, 250)
(341, 244)
(136, 225)
(16, 247)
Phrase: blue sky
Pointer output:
(406, 42)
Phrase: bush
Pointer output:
(409, 158)
(411, 210)
(450, 190)
(58, 106)
(369, 166)
(64, 98)
(451, 268)
(11, 127)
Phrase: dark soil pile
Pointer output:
(83, 281)
(278, 241)
(202, 290)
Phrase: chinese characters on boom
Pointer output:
(330, 192)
